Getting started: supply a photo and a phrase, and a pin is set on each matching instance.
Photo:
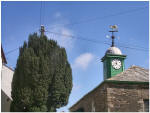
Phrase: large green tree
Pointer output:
(42, 79)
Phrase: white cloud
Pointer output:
(76, 87)
(57, 15)
(83, 61)
(60, 33)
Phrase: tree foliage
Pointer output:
(42, 79)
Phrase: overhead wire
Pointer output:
(133, 45)
(77, 37)
(43, 13)
(115, 14)
(92, 19)
(95, 41)
(85, 21)
(102, 17)
(121, 44)
(40, 12)
(11, 51)
(89, 40)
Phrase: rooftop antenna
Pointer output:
(114, 28)
(42, 30)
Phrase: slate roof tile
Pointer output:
(134, 73)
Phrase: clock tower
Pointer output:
(113, 60)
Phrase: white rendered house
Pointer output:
(6, 79)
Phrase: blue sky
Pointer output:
(88, 20)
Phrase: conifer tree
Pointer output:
(42, 79)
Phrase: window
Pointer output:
(146, 105)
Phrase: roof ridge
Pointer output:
(133, 73)
(135, 66)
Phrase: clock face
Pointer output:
(116, 63)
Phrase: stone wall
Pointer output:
(113, 97)
(127, 97)
(93, 101)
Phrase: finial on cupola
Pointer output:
(114, 28)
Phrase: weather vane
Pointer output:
(114, 28)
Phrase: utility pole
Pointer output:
(42, 30)
(114, 29)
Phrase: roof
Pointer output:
(3, 56)
(114, 50)
(134, 73)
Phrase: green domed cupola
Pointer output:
(113, 60)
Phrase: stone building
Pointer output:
(6, 79)
(121, 91)
(125, 92)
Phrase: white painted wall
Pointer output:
(6, 80)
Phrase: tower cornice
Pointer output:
(112, 55)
